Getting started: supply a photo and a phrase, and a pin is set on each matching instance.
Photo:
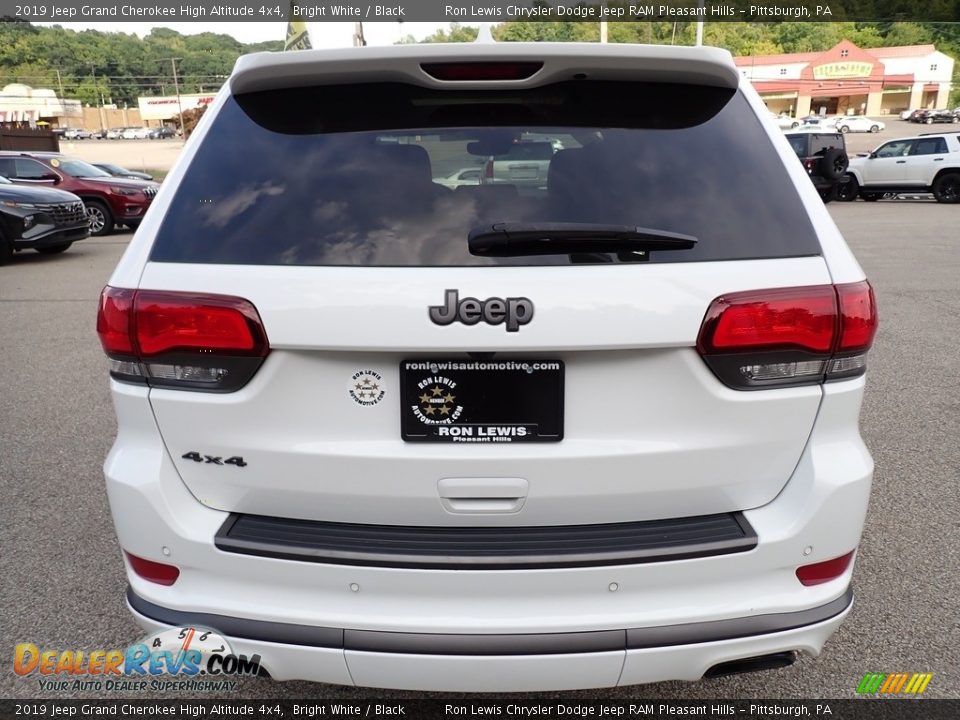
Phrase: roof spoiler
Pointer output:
(561, 61)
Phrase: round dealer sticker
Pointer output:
(366, 387)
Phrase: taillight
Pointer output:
(474, 71)
(825, 571)
(789, 336)
(156, 572)
(183, 340)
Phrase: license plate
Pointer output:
(523, 172)
(481, 401)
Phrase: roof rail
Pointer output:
(945, 132)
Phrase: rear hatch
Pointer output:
(317, 205)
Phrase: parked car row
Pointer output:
(840, 123)
(109, 200)
(929, 117)
(124, 133)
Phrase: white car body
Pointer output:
(784, 121)
(858, 123)
(135, 133)
(923, 163)
(463, 176)
(650, 435)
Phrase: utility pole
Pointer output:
(358, 39)
(60, 83)
(603, 31)
(96, 92)
(176, 86)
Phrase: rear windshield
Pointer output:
(359, 175)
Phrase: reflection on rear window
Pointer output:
(313, 177)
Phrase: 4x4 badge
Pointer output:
(512, 311)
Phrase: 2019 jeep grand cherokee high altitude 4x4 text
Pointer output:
(388, 433)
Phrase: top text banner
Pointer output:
(471, 11)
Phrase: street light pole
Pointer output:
(93, 72)
(176, 86)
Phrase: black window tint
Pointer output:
(31, 169)
(819, 144)
(929, 146)
(799, 145)
(312, 176)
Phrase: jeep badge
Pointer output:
(515, 311)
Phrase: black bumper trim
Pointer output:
(486, 548)
(494, 644)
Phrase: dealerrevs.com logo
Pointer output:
(180, 658)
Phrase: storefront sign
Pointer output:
(836, 70)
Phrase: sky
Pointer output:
(322, 34)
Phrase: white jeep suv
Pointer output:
(926, 163)
(388, 433)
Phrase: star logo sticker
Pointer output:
(366, 387)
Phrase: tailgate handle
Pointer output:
(482, 495)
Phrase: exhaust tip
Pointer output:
(773, 661)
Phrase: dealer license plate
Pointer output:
(481, 401)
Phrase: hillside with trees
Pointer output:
(117, 66)
(121, 67)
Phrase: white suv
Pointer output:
(387, 433)
(924, 163)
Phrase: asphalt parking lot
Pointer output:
(61, 578)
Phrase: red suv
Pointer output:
(109, 200)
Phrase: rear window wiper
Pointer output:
(515, 239)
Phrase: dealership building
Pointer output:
(850, 80)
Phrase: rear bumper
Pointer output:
(818, 515)
(489, 662)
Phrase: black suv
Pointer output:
(824, 157)
(40, 219)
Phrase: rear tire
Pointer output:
(847, 191)
(101, 219)
(54, 249)
(946, 188)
